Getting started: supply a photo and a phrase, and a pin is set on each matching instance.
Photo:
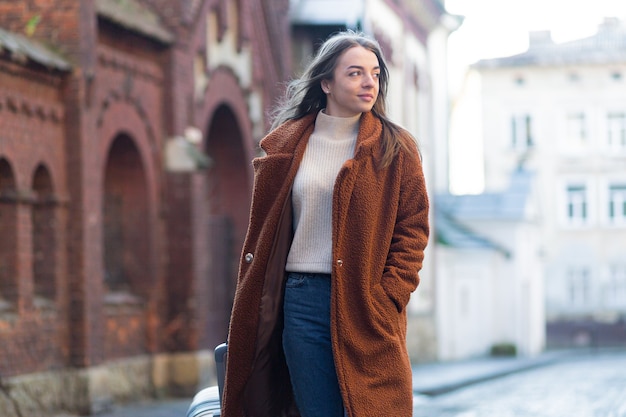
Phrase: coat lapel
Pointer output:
(368, 144)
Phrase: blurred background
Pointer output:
(127, 128)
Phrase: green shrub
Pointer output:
(503, 349)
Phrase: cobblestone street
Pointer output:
(577, 386)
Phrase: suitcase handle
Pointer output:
(221, 352)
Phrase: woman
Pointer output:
(338, 227)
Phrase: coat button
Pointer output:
(249, 257)
(339, 262)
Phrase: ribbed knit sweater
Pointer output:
(330, 145)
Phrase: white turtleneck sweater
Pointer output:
(330, 145)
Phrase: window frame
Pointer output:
(521, 125)
(576, 212)
(616, 125)
(616, 194)
(616, 285)
(576, 138)
(578, 283)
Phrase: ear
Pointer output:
(325, 86)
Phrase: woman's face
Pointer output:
(354, 87)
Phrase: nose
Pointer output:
(369, 81)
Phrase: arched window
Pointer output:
(44, 225)
(8, 231)
(229, 205)
(126, 220)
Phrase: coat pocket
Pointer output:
(385, 309)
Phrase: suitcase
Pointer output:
(208, 402)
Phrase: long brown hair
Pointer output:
(304, 95)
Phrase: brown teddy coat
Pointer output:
(380, 230)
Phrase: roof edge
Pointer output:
(135, 17)
(23, 50)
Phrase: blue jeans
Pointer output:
(306, 342)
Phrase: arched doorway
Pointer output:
(8, 231)
(128, 275)
(126, 220)
(229, 205)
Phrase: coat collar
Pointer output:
(287, 137)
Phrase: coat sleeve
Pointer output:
(410, 233)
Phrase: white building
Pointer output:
(559, 110)
(413, 35)
(489, 275)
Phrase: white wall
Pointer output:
(549, 95)
(485, 297)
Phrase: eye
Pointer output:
(354, 73)
(376, 75)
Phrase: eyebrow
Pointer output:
(361, 67)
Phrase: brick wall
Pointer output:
(71, 143)
(55, 23)
(33, 327)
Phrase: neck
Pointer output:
(336, 127)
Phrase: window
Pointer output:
(576, 130)
(616, 131)
(617, 204)
(617, 285)
(576, 204)
(521, 132)
(578, 282)
(8, 236)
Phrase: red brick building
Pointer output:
(117, 257)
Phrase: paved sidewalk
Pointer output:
(428, 379)
(442, 377)
(176, 407)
